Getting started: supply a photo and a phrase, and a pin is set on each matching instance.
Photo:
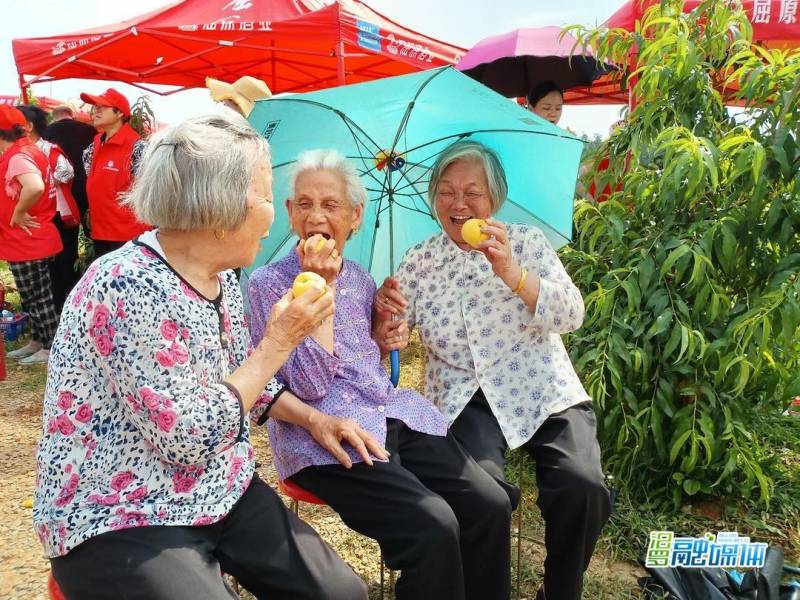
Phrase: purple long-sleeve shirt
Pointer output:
(351, 383)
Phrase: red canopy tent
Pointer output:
(45, 102)
(775, 25)
(293, 45)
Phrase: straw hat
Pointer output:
(243, 92)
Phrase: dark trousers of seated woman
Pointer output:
(573, 498)
(439, 518)
(269, 551)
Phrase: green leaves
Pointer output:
(690, 271)
(143, 119)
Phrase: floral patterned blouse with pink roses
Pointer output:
(139, 428)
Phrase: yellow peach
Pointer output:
(472, 234)
(305, 281)
(310, 241)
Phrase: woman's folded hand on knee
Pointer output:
(329, 432)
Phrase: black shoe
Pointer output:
(540, 594)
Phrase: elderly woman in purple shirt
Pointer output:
(437, 515)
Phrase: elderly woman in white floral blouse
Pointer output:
(490, 319)
(146, 486)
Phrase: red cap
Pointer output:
(110, 97)
(10, 116)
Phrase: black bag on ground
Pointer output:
(712, 583)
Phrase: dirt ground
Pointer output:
(24, 570)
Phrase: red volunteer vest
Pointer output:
(108, 177)
(44, 241)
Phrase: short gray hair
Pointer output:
(326, 159)
(469, 150)
(195, 174)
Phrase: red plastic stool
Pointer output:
(298, 495)
(53, 591)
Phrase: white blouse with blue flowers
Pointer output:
(478, 334)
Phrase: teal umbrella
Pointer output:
(392, 130)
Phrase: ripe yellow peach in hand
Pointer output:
(472, 234)
(318, 239)
(306, 281)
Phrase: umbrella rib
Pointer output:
(426, 171)
(540, 220)
(469, 133)
(412, 209)
(401, 128)
(278, 247)
(410, 106)
(342, 116)
(464, 134)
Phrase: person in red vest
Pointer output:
(110, 164)
(28, 238)
(63, 274)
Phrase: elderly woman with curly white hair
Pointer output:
(146, 485)
(438, 517)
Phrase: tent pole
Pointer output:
(340, 62)
(23, 89)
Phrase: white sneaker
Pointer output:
(27, 350)
(40, 357)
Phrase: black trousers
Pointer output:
(63, 274)
(573, 498)
(438, 517)
(271, 552)
(102, 247)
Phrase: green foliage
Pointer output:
(690, 270)
(143, 119)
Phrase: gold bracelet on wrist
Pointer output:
(522, 278)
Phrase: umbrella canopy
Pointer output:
(293, 45)
(514, 63)
(775, 22)
(392, 130)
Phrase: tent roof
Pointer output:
(293, 45)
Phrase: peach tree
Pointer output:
(689, 268)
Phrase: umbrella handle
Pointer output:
(394, 360)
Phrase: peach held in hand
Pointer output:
(472, 234)
(306, 281)
(320, 242)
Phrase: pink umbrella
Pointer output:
(514, 63)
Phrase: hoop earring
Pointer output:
(219, 236)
